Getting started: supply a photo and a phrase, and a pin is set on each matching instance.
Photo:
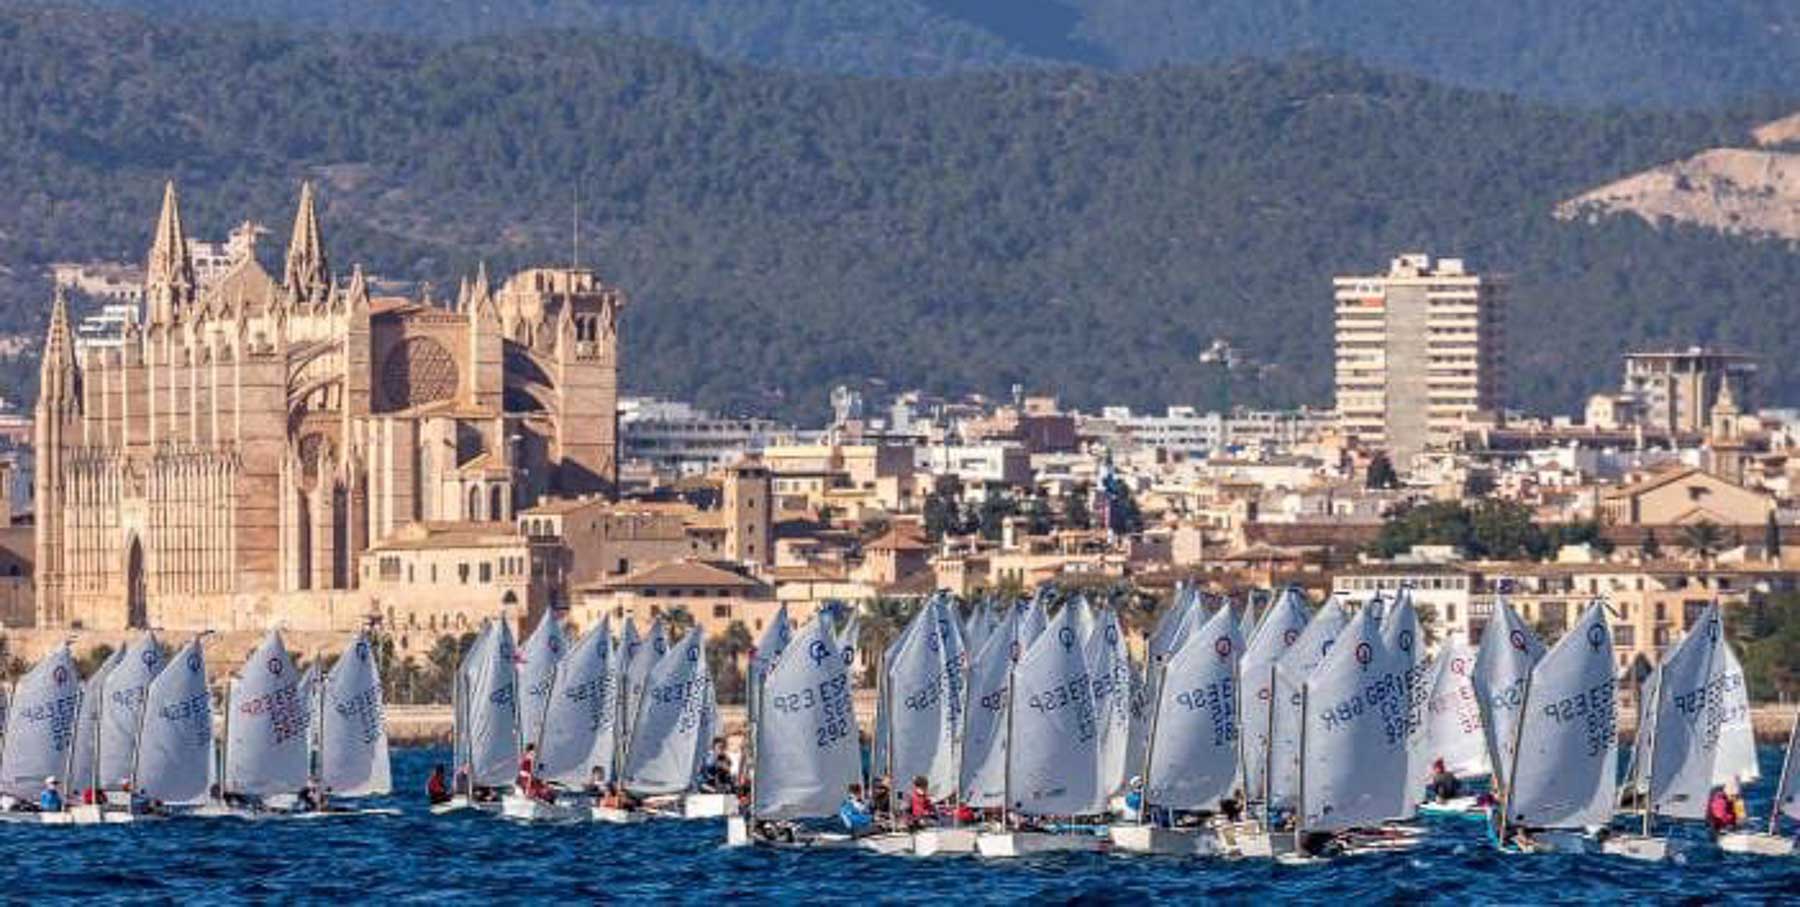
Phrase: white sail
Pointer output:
(1194, 750)
(670, 719)
(850, 637)
(312, 688)
(1279, 629)
(174, 755)
(537, 671)
(124, 692)
(490, 687)
(1566, 771)
(774, 640)
(1314, 644)
(979, 625)
(82, 772)
(1694, 701)
(805, 735)
(1032, 620)
(1503, 663)
(1118, 704)
(1052, 753)
(983, 772)
(1166, 638)
(1787, 786)
(266, 739)
(1453, 730)
(578, 725)
(1401, 631)
(641, 658)
(924, 693)
(1354, 762)
(353, 741)
(1737, 735)
(1082, 616)
(40, 724)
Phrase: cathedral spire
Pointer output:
(356, 298)
(58, 362)
(308, 276)
(481, 295)
(169, 272)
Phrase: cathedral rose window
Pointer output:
(418, 371)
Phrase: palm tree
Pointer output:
(882, 622)
(1703, 539)
(678, 620)
(732, 645)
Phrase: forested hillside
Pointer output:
(1074, 231)
(1584, 51)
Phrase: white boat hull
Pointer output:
(1762, 845)
(464, 804)
(887, 843)
(934, 841)
(1459, 808)
(1167, 842)
(1249, 840)
(530, 809)
(612, 815)
(1009, 844)
(1637, 847)
(708, 806)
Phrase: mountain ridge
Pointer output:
(1074, 231)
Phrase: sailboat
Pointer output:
(266, 761)
(537, 665)
(1280, 628)
(172, 755)
(486, 723)
(1052, 745)
(1120, 703)
(673, 724)
(350, 731)
(1354, 770)
(1563, 771)
(1452, 729)
(1195, 748)
(40, 723)
(83, 773)
(1786, 803)
(1281, 773)
(1697, 688)
(804, 747)
(981, 770)
(1503, 663)
(922, 701)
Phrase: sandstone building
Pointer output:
(255, 434)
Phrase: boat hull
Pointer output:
(1638, 847)
(1168, 842)
(935, 841)
(1762, 845)
(1010, 844)
(612, 815)
(1464, 808)
(887, 843)
(708, 806)
(530, 809)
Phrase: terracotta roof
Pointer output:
(899, 539)
(680, 573)
(1657, 480)
(440, 535)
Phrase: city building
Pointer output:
(251, 438)
(1675, 391)
(1419, 351)
(677, 439)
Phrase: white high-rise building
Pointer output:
(1419, 351)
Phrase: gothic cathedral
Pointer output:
(251, 436)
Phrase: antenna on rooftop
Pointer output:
(575, 233)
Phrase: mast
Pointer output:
(12, 696)
(94, 773)
(225, 746)
(1649, 730)
(1512, 770)
(1300, 793)
(887, 704)
(1162, 679)
(74, 738)
(1781, 780)
(459, 725)
(1006, 787)
(753, 741)
(1269, 758)
(1237, 715)
(318, 763)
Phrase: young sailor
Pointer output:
(854, 813)
(920, 810)
(50, 801)
(1444, 784)
(716, 776)
(437, 787)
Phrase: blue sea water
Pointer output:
(414, 857)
